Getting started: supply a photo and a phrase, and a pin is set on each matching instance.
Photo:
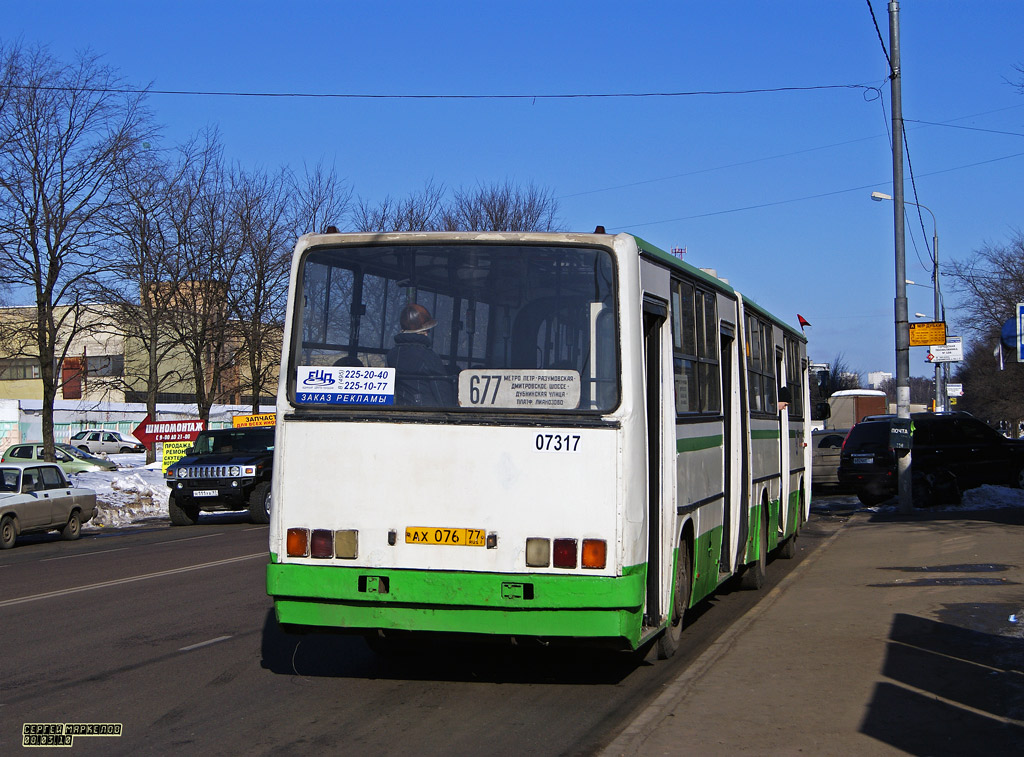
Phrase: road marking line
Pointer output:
(204, 644)
(132, 579)
(84, 554)
(187, 538)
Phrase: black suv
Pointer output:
(951, 452)
(226, 469)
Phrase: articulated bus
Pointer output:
(556, 436)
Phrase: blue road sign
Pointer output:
(1020, 332)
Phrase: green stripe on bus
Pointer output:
(569, 605)
(771, 433)
(697, 443)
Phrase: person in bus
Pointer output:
(420, 376)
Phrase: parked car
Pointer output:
(109, 442)
(38, 497)
(226, 469)
(951, 452)
(825, 448)
(70, 459)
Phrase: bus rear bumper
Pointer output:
(541, 605)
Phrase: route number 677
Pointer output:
(557, 442)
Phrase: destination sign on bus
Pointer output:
(341, 385)
(510, 389)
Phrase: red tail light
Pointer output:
(564, 553)
(322, 544)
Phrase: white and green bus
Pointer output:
(556, 436)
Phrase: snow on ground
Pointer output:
(981, 498)
(132, 495)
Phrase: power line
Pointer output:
(371, 96)
(620, 227)
(967, 128)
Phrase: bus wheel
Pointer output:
(182, 515)
(668, 642)
(259, 503)
(754, 574)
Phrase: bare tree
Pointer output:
(205, 259)
(66, 131)
(420, 211)
(140, 296)
(501, 207)
(320, 199)
(259, 288)
(990, 283)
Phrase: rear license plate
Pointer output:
(458, 537)
(863, 459)
(204, 493)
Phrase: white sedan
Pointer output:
(38, 497)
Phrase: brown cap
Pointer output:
(415, 317)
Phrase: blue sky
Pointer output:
(770, 189)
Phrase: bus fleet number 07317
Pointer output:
(557, 442)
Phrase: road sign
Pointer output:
(950, 352)
(954, 390)
(927, 333)
(150, 432)
(1020, 332)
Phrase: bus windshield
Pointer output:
(456, 327)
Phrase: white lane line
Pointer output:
(84, 554)
(188, 538)
(132, 579)
(204, 644)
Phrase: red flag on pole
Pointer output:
(803, 321)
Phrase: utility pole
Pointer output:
(903, 481)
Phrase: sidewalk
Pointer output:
(894, 637)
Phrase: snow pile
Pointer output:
(132, 495)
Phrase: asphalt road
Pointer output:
(168, 632)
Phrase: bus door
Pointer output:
(655, 317)
(784, 478)
(727, 561)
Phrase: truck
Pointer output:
(848, 406)
(225, 469)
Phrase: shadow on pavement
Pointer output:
(952, 690)
(334, 655)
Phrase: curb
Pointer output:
(630, 740)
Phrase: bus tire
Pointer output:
(788, 549)
(668, 641)
(182, 515)
(259, 503)
(754, 574)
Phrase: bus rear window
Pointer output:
(456, 327)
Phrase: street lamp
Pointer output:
(940, 314)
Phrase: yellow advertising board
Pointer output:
(173, 452)
(927, 334)
(250, 421)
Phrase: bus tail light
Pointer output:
(346, 544)
(538, 553)
(298, 542)
(594, 553)
(565, 553)
(321, 544)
